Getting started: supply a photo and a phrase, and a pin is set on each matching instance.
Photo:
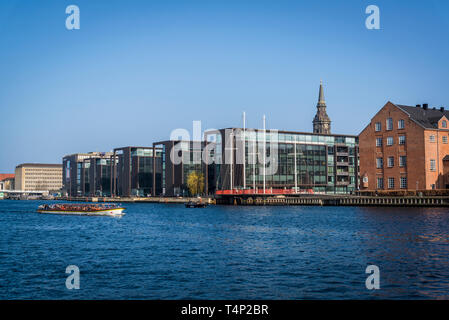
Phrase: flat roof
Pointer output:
(177, 141)
(40, 165)
(292, 132)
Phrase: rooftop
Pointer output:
(40, 165)
(425, 116)
(4, 176)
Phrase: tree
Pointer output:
(195, 182)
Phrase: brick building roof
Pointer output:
(427, 118)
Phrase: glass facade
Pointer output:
(305, 162)
(87, 174)
(134, 171)
(179, 160)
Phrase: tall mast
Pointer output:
(264, 153)
(296, 172)
(244, 150)
(232, 160)
(254, 161)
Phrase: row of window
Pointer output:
(433, 139)
(402, 162)
(389, 124)
(401, 140)
(390, 162)
(390, 141)
(391, 183)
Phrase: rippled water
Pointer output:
(159, 251)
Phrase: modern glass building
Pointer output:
(281, 162)
(136, 172)
(179, 159)
(97, 177)
(79, 173)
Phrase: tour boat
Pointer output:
(82, 209)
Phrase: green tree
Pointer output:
(195, 182)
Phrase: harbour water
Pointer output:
(166, 251)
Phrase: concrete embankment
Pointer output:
(136, 199)
(322, 200)
(316, 200)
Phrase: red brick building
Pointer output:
(405, 148)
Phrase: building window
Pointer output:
(378, 142)
(389, 141)
(390, 183)
(378, 126)
(401, 139)
(444, 139)
(432, 138)
(379, 163)
(402, 161)
(401, 124)
(380, 183)
(403, 182)
(444, 124)
(390, 162)
(432, 165)
(389, 124)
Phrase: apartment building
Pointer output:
(405, 148)
(38, 177)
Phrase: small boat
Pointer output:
(195, 204)
(77, 209)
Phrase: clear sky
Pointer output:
(138, 69)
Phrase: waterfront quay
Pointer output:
(174, 200)
(335, 200)
(292, 200)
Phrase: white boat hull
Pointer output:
(107, 212)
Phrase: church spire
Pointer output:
(321, 100)
(321, 122)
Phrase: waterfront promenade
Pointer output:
(305, 200)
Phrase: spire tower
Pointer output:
(321, 122)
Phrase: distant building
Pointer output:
(38, 177)
(405, 147)
(134, 173)
(321, 122)
(6, 181)
(87, 174)
(179, 159)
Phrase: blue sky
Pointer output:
(138, 69)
